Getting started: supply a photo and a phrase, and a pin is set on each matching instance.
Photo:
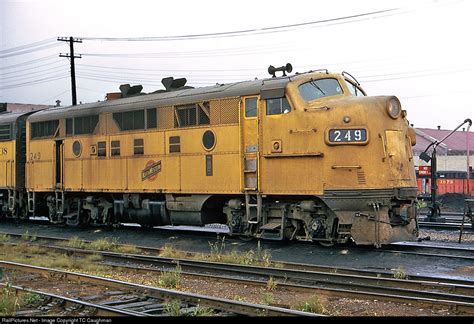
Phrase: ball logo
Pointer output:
(151, 170)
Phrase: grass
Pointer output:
(312, 305)
(400, 273)
(218, 254)
(42, 257)
(4, 237)
(271, 284)
(170, 279)
(173, 308)
(27, 237)
(104, 244)
(8, 301)
(75, 242)
(31, 299)
(267, 298)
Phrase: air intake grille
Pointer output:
(361, 177)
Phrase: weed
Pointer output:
(75, 242)
(128, 249)
(271, 284)
(25, 236)
(217, 248)
(202, 311)
(8, 301)
(312, 305)
(171, 279)
(239, 298)
(400, 273)
(103, 245)
(267, 298)
(169, 251)
(4, 237)
(31, 299)
(172, 308)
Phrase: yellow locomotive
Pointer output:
(12, 163)
(301, 157)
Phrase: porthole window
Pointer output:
(76, 148)
(208, 140)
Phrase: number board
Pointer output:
(358, 135)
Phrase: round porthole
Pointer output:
(208, 140)
(76, 148)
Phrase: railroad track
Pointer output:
(140, 300)
(53, 304)
(455, 294)
(447, 226)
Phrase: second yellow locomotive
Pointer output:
(304, 157)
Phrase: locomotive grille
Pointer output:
(165, 117)
(225, 111)
(361, 177)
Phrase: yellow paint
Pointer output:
(303, 164)
(7, 165)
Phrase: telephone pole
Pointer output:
(71, 55)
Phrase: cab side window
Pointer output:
(250, 107)
(277, 106)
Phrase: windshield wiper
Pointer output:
(317, 87)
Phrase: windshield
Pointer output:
(320, 88)
(355, 90)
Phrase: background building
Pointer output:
(452, 161)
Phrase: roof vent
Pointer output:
(172, 84)
(128, 91)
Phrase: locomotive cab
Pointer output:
(347, 156)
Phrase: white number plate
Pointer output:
(347, 135)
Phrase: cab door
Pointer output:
(59, 159)
(250, 144)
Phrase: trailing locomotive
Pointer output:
(302, 157)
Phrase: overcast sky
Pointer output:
(420, 51)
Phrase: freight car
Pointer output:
(447, 182)
(301, 157)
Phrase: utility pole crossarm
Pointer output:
(71, 55)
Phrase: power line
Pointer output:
(28, 69)
(41, 59)
(28, 51)
(55, 96)
(38, 81)
(241, 32)
(32, 74)
(31, 45)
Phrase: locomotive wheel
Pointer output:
(246, 238)
(84, 219)
(326, 244)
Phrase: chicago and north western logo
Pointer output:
(151, 170)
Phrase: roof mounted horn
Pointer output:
(286, 68)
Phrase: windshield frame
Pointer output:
(313, 80)
(355, 86)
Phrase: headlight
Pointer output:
(394, 108)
